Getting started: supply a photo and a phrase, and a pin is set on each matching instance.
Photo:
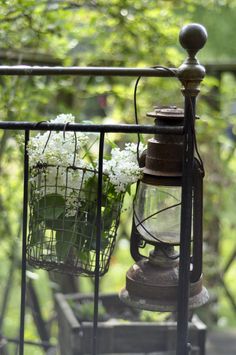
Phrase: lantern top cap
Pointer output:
(193, 37)
(169, 112)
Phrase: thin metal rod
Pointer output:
(24, 237)
(231, 298)
(74, 127)
(230, 261)
(185, 230)
(98, 242)
(87, 71)
(37, 313)
(43, 344)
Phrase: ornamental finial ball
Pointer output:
(193, 37)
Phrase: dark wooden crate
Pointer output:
(114, 337)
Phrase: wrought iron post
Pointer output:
(192, 37)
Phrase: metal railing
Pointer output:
(190, 74)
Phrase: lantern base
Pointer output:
(162, 305)
(152, 284)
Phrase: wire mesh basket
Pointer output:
(62, 224)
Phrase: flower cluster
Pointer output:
(122, 168)
(58, 153)
(59, 165)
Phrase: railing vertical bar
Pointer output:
(24, 237)
(185, 231)
(98, 243)
(197, 224)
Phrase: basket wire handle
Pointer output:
(75, 149)
(39, 123)
(36, 126)
(75, 138)
(64, 129)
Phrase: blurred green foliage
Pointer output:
(121, 33)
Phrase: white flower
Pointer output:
(63, 118)
(123, 169)
(57, 148)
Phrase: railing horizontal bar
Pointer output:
(76, 127)
(86, 71)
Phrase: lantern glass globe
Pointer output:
(157, 211)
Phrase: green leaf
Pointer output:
(36, 235)
(91, 245)
(51, 206)
(61, 223)
(65, 241)
(108, 216)
(111, 143)
(128, 189)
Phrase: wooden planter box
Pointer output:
(120, 337)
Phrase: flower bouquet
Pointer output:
(63, 200)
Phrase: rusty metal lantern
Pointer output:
(152, 283)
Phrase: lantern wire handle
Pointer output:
(191, 105)
(136, 113)
(138, 144)
(135, 99)
(157, 212)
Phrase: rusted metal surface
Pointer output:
(160, 298)
(165, 153)
(152, 284)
